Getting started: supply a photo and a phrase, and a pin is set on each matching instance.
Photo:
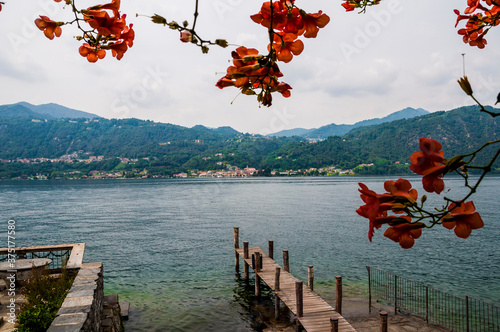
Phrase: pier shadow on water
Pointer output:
(258, 311)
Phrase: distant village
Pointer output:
(228, 172)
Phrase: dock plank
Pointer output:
(316, 311)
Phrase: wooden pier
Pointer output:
(313, 313)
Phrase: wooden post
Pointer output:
(334, 324)
(246, 256)
(299, 298)
(383, 321)
(277, 279)
(257, 277)
(298, 327)
(310, 279)
(286, 266)
(236, 246)
(276, 289)
(338, 294)
(271, 249)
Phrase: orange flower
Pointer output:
(401, 188)
(283, 88)
(288, 47)
(348, 6)
(92, 53)
(50, 28)
(463, 218)
(128, 35)
(104, 24)
(224, 82)
(405, 233)
(373, 208)
(114, 6)
(118, 49)
(263, 17)
(429, 163)
(313, 22)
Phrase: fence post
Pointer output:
(257, 269)
(383, 321)
(426, 304)
(369, 290)
(338, 294)
(395, 294)
(310, 279)
(467, 312)
(270, 252)
(236, 246)
(245, 256)
(286, 265)
(276, 289)
(334, 324)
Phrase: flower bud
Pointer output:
(186, 36)
(465, 85)
(158, 19)
(221, 42)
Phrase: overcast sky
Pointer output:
(401, 53)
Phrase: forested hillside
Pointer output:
(173, 148)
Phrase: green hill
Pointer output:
(170, 148)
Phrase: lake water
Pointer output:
(167, 245)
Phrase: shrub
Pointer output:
(44, 295)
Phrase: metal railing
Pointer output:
(458, 314)
(69, 255)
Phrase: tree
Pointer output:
(103, 29)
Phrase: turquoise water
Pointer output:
(166, 245)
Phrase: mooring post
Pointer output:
(277, 279)
(298, 326)
(338, 294)
(286, 266)
(383, 321)
(236, 246)
(299, 298)
(334, 324)
(276, 289)
(310, 279)
(257, 277)
(271, 249)
(245, 256)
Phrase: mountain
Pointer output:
(460, 131)
(20, 111)
(45, 111)
(220, 130)
(342, 129)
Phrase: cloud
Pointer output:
(403, 53)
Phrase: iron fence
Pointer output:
(458, 314)
(59, 257)
(62, 255)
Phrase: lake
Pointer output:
(167, 245)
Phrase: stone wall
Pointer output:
(82, 309)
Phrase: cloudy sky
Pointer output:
(401, 53)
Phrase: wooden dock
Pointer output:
(316, 316)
